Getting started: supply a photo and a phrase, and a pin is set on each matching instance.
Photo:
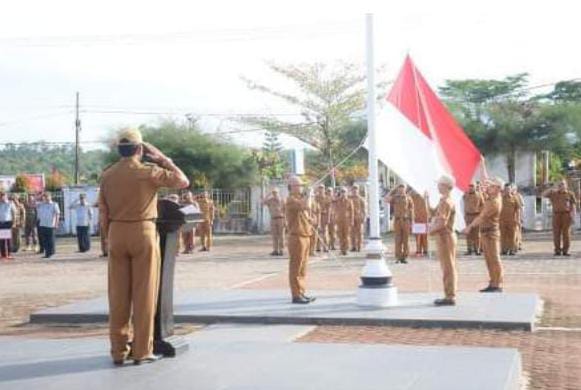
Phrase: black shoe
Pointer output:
(557, 253)
(445, 302)
(511, 253)
(148, 359)
(46, 257)
(344, 253)
(566, 254)
(487, 289)
(468, 253)
(403, 261)
(504, 253)
(491, 289)
(280, 253)
(478, 253)
(310, 299)
(119, 362)
(301, 301)
(274, 253)
(318, 250)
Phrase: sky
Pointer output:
(166, 59)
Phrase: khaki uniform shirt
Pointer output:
(343, 211)
(359, 208)
(473, 203)
(19, 216)
(510, 208)
(275, 207)
(403, 207)
(562, 201)
(297, 218)
(491, 214)
(128, 191)
(206, 208)
(30, 213)
(444, 216)
(324, 202)
(420, 208)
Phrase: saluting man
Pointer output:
(564, 210)
(128, 210)
(300, 229)
(275, 206)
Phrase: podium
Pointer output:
(171, 217)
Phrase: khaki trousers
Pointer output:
(508, 236)
(357, 235)
(206, 234)
(134, 267)
(298, 251)
(331, 232)
(472, 238)
(562, 230)
(343, 233)
(446, 252)
(188, 240)
(277, 232)
(401, 228)
(490, 247)
(323, 241)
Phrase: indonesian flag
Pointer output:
(419, 139)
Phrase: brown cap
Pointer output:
(495, 181)
(295, 181)
(130, 136)
(447, 180)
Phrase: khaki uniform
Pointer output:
(128, 209)
(519, 221)
(332, 226)
(17, 226)
(421, 214)
(188, 236)
(509, 215)
(446, 245)
(30, 228)
(315, 216)
(403, 215)
(564, 203)
(324, 203)
(473, 204)
(343, 212)
(277, 222)
(359, 214)
(490, 231)
(205, 227)
(299, 242)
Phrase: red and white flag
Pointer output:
(420, 140)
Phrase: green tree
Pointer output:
(206, 160)
(21, 184)
(327, 97)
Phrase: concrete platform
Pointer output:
(258, 365)
(474, 310)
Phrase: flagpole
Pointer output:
(376, 288)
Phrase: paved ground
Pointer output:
(30, 283)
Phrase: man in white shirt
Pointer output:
(6, 220)
(84, 216)
(48, 213)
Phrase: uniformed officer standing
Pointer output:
(207, 209)
(421, 215)
(297, 208)
(520, 217)
(324, 201)
(403, 215)
(509, 216)
(473, 204)
(19, 222)
(343, 213)
(315, 216)
(30, 232)
(275, 206)
(564, 210)
(488, 220)
(189, 235)
(443, 230)
(128, 209)
(359, 215)
(331, 227)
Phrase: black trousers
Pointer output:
(5, 245)
(40, 242)
(46, 236)
(83, 238)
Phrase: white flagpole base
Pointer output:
(376, 289)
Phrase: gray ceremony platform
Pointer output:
(474, 310)
(233, 357)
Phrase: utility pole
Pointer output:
(77, 131)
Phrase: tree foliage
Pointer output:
(206, 160)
